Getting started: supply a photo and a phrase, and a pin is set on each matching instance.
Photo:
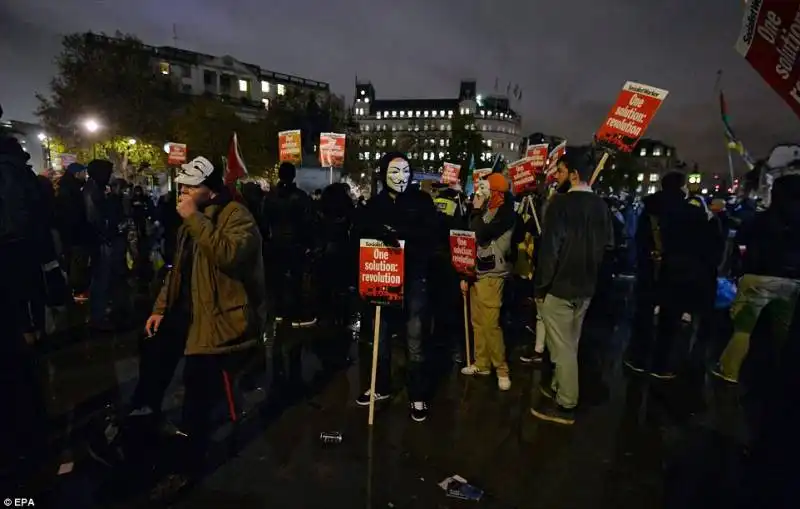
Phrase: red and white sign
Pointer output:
(463, 251)
(477, 175)
(556, 154)
(331, 150)
(770, 41)
(629, 117)
(381, 273)
(450, 174)
(67, 159)
(523, 175)
(538, 153)
(177, 153)
(290, 148)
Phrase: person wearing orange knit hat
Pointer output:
(492, 220)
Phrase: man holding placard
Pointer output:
(400, 213)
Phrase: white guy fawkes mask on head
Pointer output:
(398, 173)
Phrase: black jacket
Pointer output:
(411, 217)
(689, 254)
(71, 212)
(287, 217)
(772, 238)
(577, 232)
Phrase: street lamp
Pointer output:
(132, 141)
(91, 125)
(48, 159)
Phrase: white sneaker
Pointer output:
(503, 383)
(473, 370)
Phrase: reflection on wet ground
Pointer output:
(637, 442)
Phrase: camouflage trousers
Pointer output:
(756, 293)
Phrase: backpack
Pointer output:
(19, 201)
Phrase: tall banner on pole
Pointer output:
(629, 117)
(331, 150)
(770, 42)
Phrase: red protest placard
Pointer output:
(177, 153)
(331, 150)
(628, 119)
(523, 175)
(477, 175)
(450, 173)
(290, 148)
(555, 154)
(538, 153)
(380, 273)
(770, 41)
(463, 251)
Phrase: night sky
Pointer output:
(570, 57)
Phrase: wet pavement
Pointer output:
(637, 442)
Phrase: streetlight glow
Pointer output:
(42, 136)
(91, 125)
(132, 141)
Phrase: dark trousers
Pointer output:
(409, 320)
(76, 261)
(158, 358)
(208, 381)
(654, 347)
(285, 285)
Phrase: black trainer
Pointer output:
(419, 410)
(549, 410)
(363, 400)
(530, 356)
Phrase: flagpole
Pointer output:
(717, 89)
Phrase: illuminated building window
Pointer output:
(378, 115)
(265, 101)
(654, 177)
(281, 89)
(657, 151)
(265, 87)
(643, 152)
(164, 67)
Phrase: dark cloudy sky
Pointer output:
(570, 57)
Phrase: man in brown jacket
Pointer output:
(213, 297)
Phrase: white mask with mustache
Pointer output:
(398, 173)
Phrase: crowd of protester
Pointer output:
(240, 261)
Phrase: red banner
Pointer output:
(450, 174)
(331, 150)
(380, 273)
(463, 251)
(177, 153)
(523, 175)
(539, 155)
(770, 42)
(628, 119)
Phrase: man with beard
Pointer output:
(576, 233)
(399, 212)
